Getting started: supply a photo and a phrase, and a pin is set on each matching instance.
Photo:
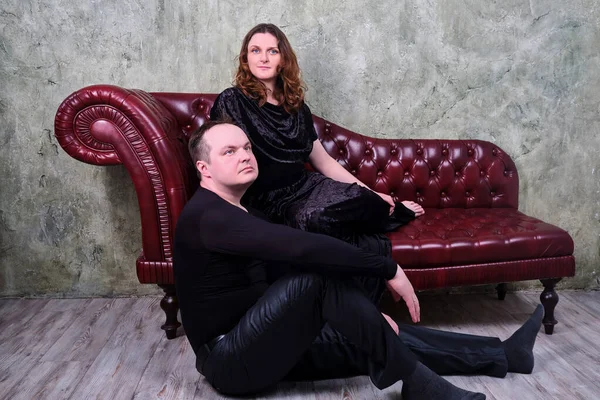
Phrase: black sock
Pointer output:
(424, 384)
(519, 347)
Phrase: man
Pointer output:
(315, 321)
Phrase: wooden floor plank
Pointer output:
(205, 392)
(116, 371)
(48, 380)
(16, 314)
(344, 389)
(171, 372)
(7, 306)
(290, 391)
(21, 353)
(115, 349)
(90, 331)
(327, 389)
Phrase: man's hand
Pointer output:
(400, 287)
(388, 199)
(414, 207)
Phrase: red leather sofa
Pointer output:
(472, 231)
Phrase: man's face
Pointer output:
(231, 162)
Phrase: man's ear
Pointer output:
(202, 167)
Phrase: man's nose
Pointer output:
(244, 156)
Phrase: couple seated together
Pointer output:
(279, 270)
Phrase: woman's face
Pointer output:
(264, 57)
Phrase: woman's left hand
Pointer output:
(388, 199)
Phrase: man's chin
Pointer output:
(247, 181)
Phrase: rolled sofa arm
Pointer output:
(109, 125)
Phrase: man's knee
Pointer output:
(288, 294)
(298, 285)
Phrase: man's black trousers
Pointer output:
(309, 326)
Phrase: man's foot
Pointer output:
(519, 347)
(424, 384)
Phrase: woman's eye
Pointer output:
(274, 51)
(255, 51)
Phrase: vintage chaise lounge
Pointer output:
(472, 232)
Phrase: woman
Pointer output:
(267, 102)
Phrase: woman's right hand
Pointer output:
(400, 287)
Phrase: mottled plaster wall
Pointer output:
(522, 74)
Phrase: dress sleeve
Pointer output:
(310, 125)
(235, 232)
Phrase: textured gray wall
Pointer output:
(522, 74)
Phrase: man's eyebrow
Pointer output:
(230, 146)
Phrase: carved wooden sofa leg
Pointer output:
(501, 289)
(549, 299)
(170, 306)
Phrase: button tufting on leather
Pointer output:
(443, 194)
(493, 194)
(470, 152)
(341, 151)
(418, 194)
(457, 173)
(506, 172)
(353, 172)
(467, 194)
(419, 151)
(393, 151)
(482, 173)
(405, 173)
(188, 127)
(445, 152)
(494, 152)
(431, 173)
(379, 173)
(367, 152)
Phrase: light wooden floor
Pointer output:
(114, 349)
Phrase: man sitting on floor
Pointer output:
(316, 321)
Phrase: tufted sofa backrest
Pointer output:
(435, 173)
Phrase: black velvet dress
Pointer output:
(290, 194)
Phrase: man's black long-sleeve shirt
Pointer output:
(217, 262)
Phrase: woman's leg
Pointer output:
(337, 209)
(449, 353)
(332, 355)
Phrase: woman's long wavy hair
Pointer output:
(289, 88)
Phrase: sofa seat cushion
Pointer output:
(458, 236)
